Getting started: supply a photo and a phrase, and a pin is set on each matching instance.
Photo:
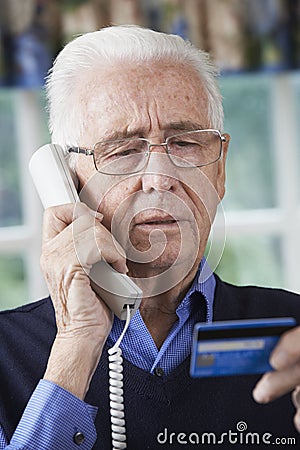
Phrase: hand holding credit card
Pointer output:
(237, 347)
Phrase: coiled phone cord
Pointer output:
(117, 414)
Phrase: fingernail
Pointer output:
(121, 267)
(125, 268)
(98, 215)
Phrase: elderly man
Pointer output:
(143, 112)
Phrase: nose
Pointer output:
(159, 172)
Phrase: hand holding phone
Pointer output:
(53, 180)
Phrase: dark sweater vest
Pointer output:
(155, 406)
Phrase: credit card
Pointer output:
(236, 347)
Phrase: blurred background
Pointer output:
(255, 43)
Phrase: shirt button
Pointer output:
(78, 438)
(159, 371)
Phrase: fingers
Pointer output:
(73, 240)
(74, 230)
(285, 359)
(287, 351)
(57, 218)
(296, 401)
(296, 397)
(93, 242)
(275, 384)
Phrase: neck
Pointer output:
(159, 311)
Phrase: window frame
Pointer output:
(282, 221)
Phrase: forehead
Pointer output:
(142, 96)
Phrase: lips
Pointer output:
(151, 218)
(157, 221)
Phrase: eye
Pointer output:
(126, 152)
(182, 143)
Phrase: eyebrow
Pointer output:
(125, 134)
(183, 125)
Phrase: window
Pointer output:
(262, 203)
(23, 129)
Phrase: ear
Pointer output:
(221, 167)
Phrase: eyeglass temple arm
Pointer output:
(83, 151)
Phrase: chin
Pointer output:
(173, 256)
(160, 252)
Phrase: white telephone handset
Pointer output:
(53, 180)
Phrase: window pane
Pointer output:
(252, 260)
(13, 289)
(247, 105)
(43, 125)
(10, 198)
(296, 83)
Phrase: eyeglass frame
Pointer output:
(91, 152)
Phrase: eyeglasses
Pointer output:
(127, 156)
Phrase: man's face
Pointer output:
(162, 215)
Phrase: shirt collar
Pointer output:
(204, 283)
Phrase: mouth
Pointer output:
(157, 221)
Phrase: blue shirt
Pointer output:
(50, 405)
(138, 346)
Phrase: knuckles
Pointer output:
(290, 343)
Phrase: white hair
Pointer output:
(116, 44)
